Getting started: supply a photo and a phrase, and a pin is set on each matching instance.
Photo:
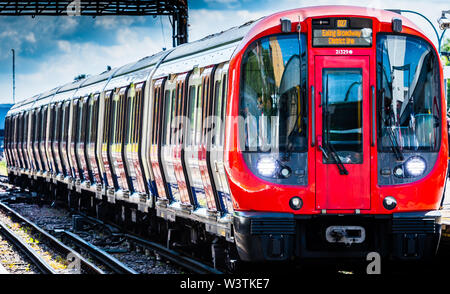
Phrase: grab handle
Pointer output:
(313, 118)
(373, 116)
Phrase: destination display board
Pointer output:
(336, 32)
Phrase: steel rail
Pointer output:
(107, 259)
(26, 249)
(86, 265)
(174, 256)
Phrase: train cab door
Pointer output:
(343, 132)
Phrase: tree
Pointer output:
(446, 61)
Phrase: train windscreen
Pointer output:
(408, 94)
(273, 94)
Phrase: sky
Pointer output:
(52, 51)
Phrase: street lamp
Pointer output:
(14, 74)
(444, 23)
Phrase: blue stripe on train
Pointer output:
(152, 188)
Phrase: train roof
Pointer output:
(224, 42)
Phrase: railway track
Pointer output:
(107, 263)
(190, 264)
(106, 259)
(31, 254)
(76, 261)
(187, 263)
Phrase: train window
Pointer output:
(65, 120)
(173, 115)
(114, 111)
(273, 94)
(51, 125)
(168, 107)
(342, 114)
(37, 119)
(93, 118)
(121, 117)
(138, 113)
(44, 137)
(224, 109)
(74, 121)
(57, 122)
(198, 116)
(205, 112)
(82, 108)
(217, 113)
(155, 116)
(25, 138)
(57, 136)
(191, 115)
(130, 121)
(43, 124)
(408, 94)
(107, 118)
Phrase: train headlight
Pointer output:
(389, 203)
(267, 166)
(296, 203)
(415, 166)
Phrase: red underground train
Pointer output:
(334, 142)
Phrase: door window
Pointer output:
(342, 114)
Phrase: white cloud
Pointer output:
(85, 58)
(30, 37)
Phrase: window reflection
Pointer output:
(408, 94)
(273, 94)
(342, 113)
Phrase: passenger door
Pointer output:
(156, 137)
(81, 139)
(343, 120)
(217, 138)
(107, 172)
(132, 138)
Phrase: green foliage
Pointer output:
(446, 61)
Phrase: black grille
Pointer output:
(272, 226)
(411, 225)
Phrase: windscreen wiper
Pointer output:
(394, 145)
(339, 164)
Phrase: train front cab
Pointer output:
(341, 151)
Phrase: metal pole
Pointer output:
(439, 39)
(14, 75)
